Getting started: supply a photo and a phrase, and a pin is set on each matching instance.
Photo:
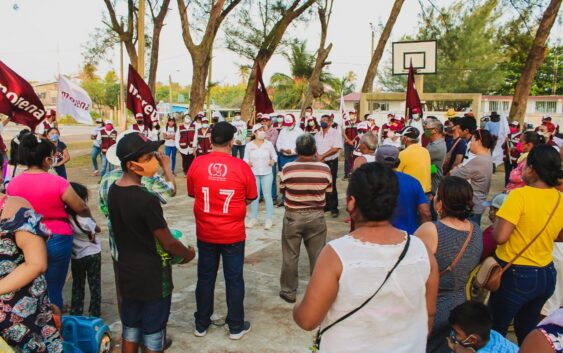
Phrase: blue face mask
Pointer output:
(54, 137)
(324, 124)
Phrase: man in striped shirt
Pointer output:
(305, 184)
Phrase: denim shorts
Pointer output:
(145, 321)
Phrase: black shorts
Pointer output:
(149, 316)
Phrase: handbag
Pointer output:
(460, 253)
(490, 272)
(317, 342)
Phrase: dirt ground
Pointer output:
(273, 329)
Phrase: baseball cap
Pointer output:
(371, 117)
(222, 133)
(411, 132)
(133, 145)
(387, 154)
(363, 126)
(266, 117)
(257, 127)
(496, 201)
(288, 120)
(99, 120)
(110, 122)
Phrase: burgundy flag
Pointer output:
(18, 100)
(262, 102)
(413, 101)
(139, 98)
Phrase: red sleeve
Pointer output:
(190, 180)
(251, 190)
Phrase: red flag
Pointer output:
(262, 102)
(139, 98)
(413, 101)
(18, 100)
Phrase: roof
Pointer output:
(352, 97)
(529, 97)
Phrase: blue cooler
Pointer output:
(89, 334)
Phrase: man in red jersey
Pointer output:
(222, 186)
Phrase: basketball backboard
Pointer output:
(422, 54)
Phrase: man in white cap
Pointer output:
(240, 136)
(106, 138)
(203, 138)
(96, 146)
(286, 143)
(139, 126)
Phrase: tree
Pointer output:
(378, 53)
(535, 58)
(258, 41)
(123, 28)
(216, 11)
(315, 88)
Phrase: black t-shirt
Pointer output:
(459, 148)
(60, 149)
(143, 266)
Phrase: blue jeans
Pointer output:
(105, 165)
(238, 149)
(171, 152)
(96, 151)
(523, 292)
(283, 160)
(264, 185)
(59, 248)
(145, 321)
(207, 266)
(274, 184)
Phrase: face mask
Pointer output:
(139, 122)
(205, 126)
(54, 137)
(324, 125)
(308, 114)
(311, 123)
(149, 167)
(237, 117)
(428, 133)
(187, 121)
(415, 116)
(280, 120)
(215, 120)
(109, 127)
(261, 135)
(513, 130)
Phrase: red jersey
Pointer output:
(220, 184)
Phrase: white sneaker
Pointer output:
(200, 334)
(238, 335)
(268, 224)
(251, 223)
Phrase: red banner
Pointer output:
(413, 101)
(18, 100)
(139, 98)
(262, 102)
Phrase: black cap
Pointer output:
(411, 132)
(134, 145)
(222, 133)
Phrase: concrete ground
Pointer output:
(273, 329)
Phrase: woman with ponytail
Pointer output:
(48, 194)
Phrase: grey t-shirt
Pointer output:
(478, 172)
(437, 150)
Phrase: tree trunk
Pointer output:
(269, 45)
(158, 23)
(200, 67)
(536, 57)
(378, 53)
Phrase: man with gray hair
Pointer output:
(434, 131)
(368, 145)
(304, 183)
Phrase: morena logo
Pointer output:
(217, 170)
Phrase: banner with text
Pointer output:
(73, 100)
(139, 98)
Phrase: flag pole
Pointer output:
(141, 39)
(122, 117)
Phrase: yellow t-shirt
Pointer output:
(528, 209)
(416, 162)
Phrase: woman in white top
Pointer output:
(153, 133)
(261, 155)
(377, 262)
(169, 134)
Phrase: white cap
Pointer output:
(371, 117)
(111, 153)
(109, 122)
(257, 127)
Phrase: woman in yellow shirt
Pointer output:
(527, 285)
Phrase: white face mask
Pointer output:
(237, 117)
(308, 114)
(187, 121)
(415, 116)
(261, 135)
(205, 126)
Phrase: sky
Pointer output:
(45, 37)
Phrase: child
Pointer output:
(472, 331)
(86, 259)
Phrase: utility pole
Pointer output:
(141, 39)
(122, 117)
(209, 84)
(372, 39)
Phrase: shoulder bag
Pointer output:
(317, 342)
(490, 272)
(460, 253)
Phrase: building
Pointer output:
(47, 93)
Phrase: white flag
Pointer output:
(216, 111)
(73, 100)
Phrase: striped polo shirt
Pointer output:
(305, 185)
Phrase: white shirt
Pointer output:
(81, 244)
(287, 139)
(332, 139)
(260, 157)
(170, 131)
(242, 129)
(153, 134)
(391, 142)
(95, 132)
(396, 319)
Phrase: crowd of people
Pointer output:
(416, 193)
